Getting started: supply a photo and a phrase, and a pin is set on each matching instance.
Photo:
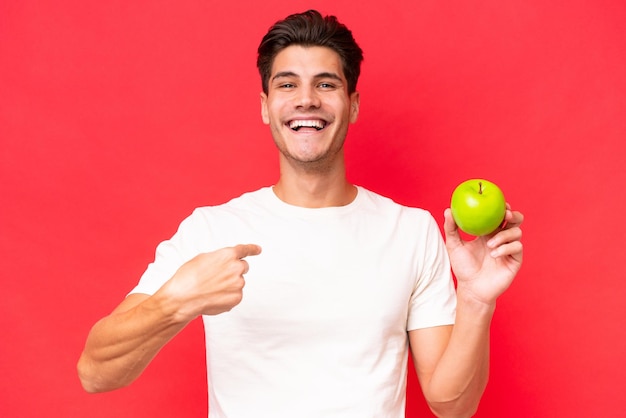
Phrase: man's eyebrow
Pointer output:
(284, 74)
(334, 76)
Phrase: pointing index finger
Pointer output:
(245, 250)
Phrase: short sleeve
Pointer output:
(433, 301)
(173, 253)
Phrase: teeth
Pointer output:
(297, 124)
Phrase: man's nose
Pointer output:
(308, 98)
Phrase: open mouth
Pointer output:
(307, 124)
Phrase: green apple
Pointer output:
(478, 207)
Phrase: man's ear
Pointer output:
(264, 113)
(355, 102)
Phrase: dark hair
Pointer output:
(310, 29)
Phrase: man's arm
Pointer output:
(121, 345)
(452, 362)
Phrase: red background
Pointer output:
(118, 118)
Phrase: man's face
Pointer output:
(307, 106)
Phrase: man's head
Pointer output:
(310, 29)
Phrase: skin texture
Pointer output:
(308, 86)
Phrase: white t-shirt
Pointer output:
(322, 327)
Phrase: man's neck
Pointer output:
(314, 190)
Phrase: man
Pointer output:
(346, 282)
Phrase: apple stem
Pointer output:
(480, 187)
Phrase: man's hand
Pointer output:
(210, 283)
(122, 344)
(486, 266)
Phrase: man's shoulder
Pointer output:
(245, 199)
(382, 202)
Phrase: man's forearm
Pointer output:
(121, 345)
(461, 375)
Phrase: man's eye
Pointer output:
(287, 86)
(327, 85)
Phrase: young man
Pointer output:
(346, 282)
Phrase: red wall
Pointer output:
(118, 118)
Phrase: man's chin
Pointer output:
(311, 163)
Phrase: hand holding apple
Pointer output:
(484, 267)
(478, 207)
